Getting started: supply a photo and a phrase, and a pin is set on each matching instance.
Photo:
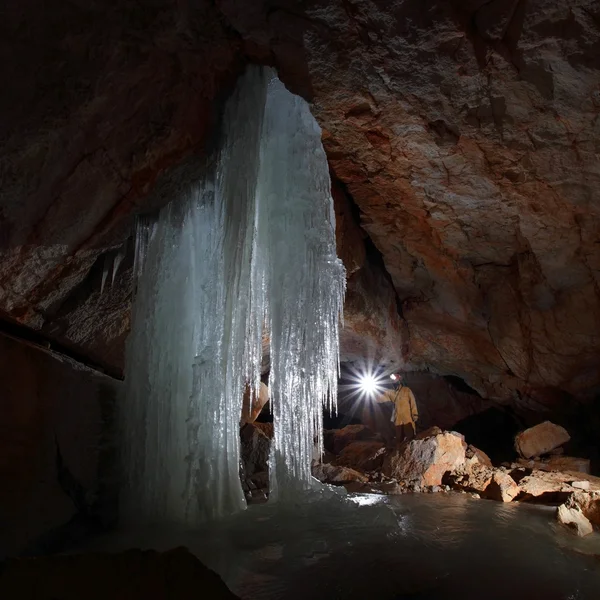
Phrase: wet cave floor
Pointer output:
(384, 547)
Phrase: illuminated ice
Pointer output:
(249, 247)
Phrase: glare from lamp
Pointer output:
(368, 384)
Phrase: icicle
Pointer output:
(306, 285)
(118, 259)
(144, 230)
(105, 270)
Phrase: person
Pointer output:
(404, 413)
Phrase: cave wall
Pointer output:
(466, 133)
(57, 449)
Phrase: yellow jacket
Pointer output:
(405, 406)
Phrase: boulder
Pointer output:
(362, 456)
(588, 503)
(502, 487)
(253, 404)
(130, 575)
(573, 518)
(335, 440)
(540, 439)
(424, 462)
(337, 475)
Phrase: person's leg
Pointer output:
(409, 431)
(400, 434)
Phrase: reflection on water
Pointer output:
(414, 546)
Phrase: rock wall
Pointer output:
(57, 452)
(466, 133)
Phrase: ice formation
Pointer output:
(250, 247)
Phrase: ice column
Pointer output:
(251, 244)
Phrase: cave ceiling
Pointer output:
(463, 138)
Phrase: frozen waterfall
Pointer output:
(250, 247)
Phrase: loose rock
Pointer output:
(574, 519)
(424, 462)
(337, 475)
(502, 487)
(540, 439)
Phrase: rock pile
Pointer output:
(439, 460)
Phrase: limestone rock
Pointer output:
(337, 475)
(581, 485)
(362, 456)
(475, 455)
(574, 519)
(502, 487)
(474, 478)
(424, 462)
(480, 208)
(129, 575)
(250, 413)
(540, 439)
(588, 502)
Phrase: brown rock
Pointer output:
(255, 448)
(574, 519)
(335, 440)
(425, 462)
(502, 487)
(540, 439)
(473, 478)
(337, 475)
(130, 575)
(250, 413)
(588, 502)
(57, 454)
(581, 485)
(481, 207)
(475, 455)
(558, 463)
(362, 456)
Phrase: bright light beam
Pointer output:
(368, 384)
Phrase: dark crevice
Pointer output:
(461, 385)
(373, 254)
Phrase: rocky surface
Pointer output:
(365, 456)
(541, 439)
(466, 133)
(424, 462)
(129, 575)
(58, 460)
(574, 519)
(252, 404)
(337, 475)
(558, 463)
(255, 446)
(437, 461)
